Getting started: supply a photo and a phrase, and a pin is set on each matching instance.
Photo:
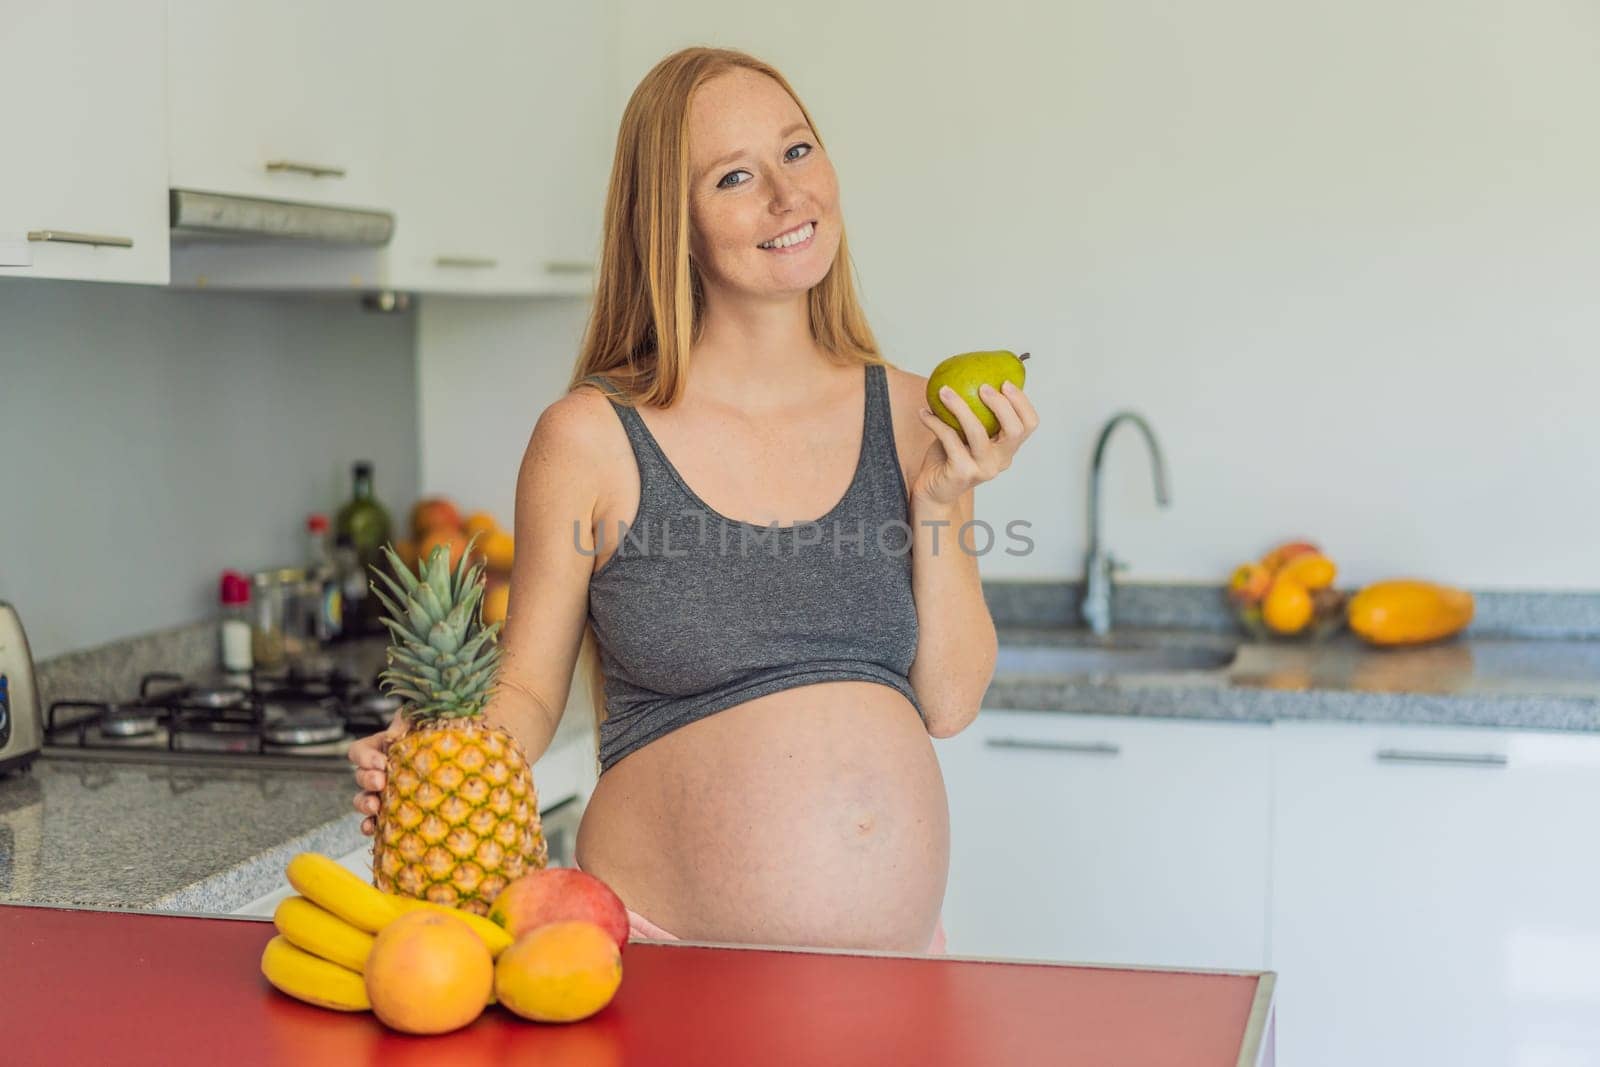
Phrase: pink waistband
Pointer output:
(640, 927)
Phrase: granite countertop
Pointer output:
(77, 833)
(189, 837)
(1466, 681)
(164, 836)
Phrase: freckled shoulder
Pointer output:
(908, 394)
(590, 437)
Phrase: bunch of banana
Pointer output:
(325, 933)
(311, 978)
(322, 933)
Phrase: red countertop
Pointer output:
(88, 987)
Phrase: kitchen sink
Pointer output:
(1113, 656)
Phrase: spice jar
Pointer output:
(278, 625)
(237, 654)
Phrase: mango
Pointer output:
(1311, 569)
(1287, 551)
(559, 894)
(559, 973)
(1408, 611)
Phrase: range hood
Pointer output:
(200, 216)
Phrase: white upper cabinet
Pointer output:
(498, 145)
(574, 140)
(1108, 839)
(83, 185)
(482, 125)
(279, 99)
(1436, 895)
(462, 86)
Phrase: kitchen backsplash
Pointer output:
(149, 438)
(1200, 606)
(113, 669)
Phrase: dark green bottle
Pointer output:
(366, 523)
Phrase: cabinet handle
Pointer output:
(1470, 759)
(465, 261)
(67, 237)
(316, 170)
(1091, 748)
(567, 266)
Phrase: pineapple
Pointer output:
(459, 817)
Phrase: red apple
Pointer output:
(559, 894)
(1249, 583)
(434, 513)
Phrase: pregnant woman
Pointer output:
(773, 607)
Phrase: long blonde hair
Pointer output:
(649, 306)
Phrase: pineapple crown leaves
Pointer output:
(442, 659)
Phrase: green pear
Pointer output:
(965, 373)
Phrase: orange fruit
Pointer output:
(450, 539)
(1312, 570)
(496, 600)
(428, 973)
(1288, 607)
(559, 973)
(406, 549)
(498, 548)
(479, 522)
(455, 541)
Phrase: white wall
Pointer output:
(150, 438)
(486, 369)
(1342, 256)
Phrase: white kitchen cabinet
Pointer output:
(498, 154)
(577, 139)
(1436, 895)
(462, 146)
(481, 125)
(279, 99)
(1108, 839)
(84, 121)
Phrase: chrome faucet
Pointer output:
(1101, 565)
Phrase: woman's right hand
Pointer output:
(370, 756)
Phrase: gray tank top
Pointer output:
(696, 612)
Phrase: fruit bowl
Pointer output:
(1288, 595)
(1327, 619)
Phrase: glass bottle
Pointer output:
(327, 597)
(353, 591)
(366, 523)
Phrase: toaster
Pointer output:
(21, 724)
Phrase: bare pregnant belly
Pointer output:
(814, 816)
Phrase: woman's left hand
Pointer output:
(953, 466)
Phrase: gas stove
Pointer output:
(296, 717)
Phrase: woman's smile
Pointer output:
(787, 242)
